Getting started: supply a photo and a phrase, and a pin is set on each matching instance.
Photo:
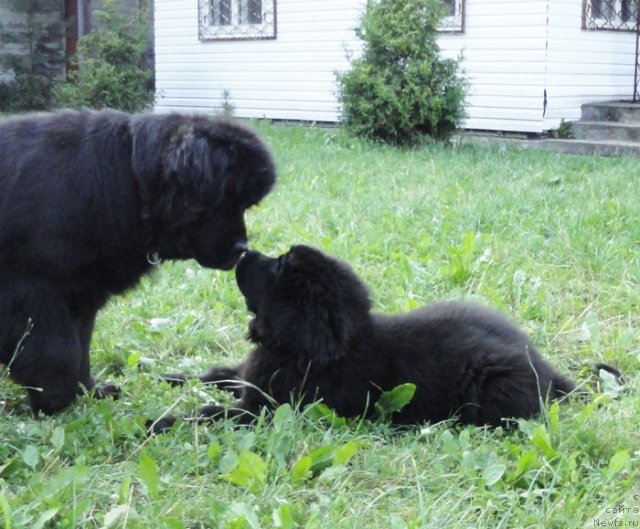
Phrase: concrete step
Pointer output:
(580, 147)
(618, 111)
(591, 147)
(604, 131)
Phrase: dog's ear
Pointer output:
(200, 164)
(168, 153)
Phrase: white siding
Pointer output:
(503, 49)
(584, 66)
(513, 50)
(292, 77)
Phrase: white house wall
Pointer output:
(503, 49)
(513, 51)
(291, 77)
(584, 66)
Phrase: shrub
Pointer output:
(400, 89)
(110, 65)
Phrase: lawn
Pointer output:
(551, 240)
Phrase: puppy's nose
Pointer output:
(247, 259)
(239, 250)
(240, 247)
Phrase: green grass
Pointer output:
(551, 240)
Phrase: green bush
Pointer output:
(400, 89)
(110, 65)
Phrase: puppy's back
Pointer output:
(470, 361)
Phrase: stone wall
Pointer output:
(14, 41)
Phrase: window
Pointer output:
(237, 19)
(616, 15)
(453, 20)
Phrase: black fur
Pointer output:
(86, 198)
(317, 339)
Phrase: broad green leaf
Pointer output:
(542, 440)
(322, 457)
(118, 516)
(301, 469)
(45, 517)
(344, 453)
(6, 510)
(590, 329)
(133, 359)
(70, 476)
(527, 461)
(31, 456)
(251, 472)
(9, 468)
(246, 442)
(245, 516)
(213, 452)
(282, 416)
(395, 399)
(331, 473)
(125, 490)
(57, 437)
(228, 462)
(149, 475)
(320, 411)
(492, 474)
(618, 462)
(283, 517)
(173, 523)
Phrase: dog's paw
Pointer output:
(159, 425)
(106, 391)
(175, 380)
(209, 412)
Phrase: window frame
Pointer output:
(236, 30)
(454, 23)
(593, 23)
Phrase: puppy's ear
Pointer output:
(322, 338)
(314, 334)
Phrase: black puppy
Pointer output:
(88, 202)
(317, 339)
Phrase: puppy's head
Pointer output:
(308, 306)
(197, 176)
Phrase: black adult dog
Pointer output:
(88, 202)
(317, 339)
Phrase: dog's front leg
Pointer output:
(236, 411)
(239, 410)
(226, 378)
(223, 377)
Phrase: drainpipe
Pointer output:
(636, 95)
